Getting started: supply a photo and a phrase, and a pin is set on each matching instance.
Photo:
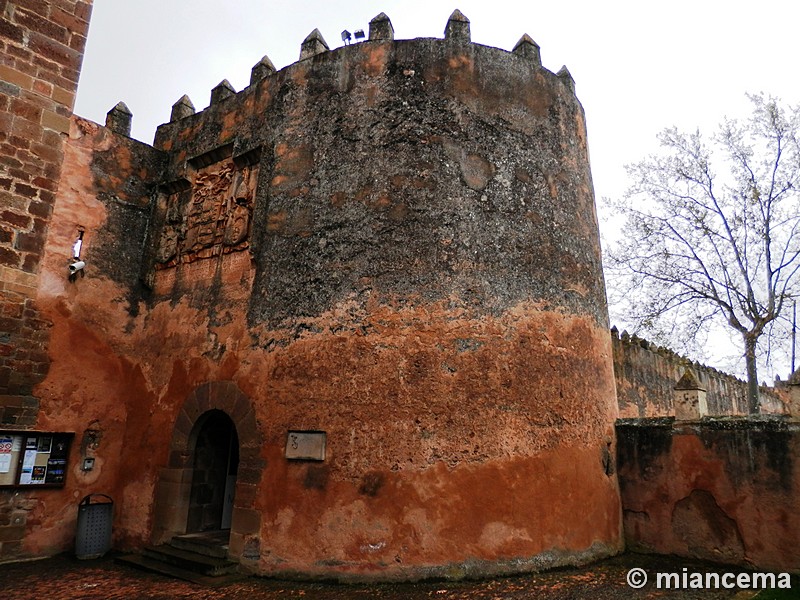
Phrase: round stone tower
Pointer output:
(425, 307)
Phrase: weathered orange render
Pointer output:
(393, 243)
(722, 490)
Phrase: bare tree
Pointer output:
(713, 231)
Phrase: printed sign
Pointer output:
(38, 473)
(5, 454)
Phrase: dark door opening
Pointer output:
(216, 460)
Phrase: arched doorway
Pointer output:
(206, 409)
(215, 464)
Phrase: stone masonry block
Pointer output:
(179, 459)
(11, 31)
(83, 10)
(249, 476)
(246, 520)
(236, 544)
(239, 408)
(17, 220)
(17, 78)
(178, 476)
(54, 121)
(12, 533)
(246, 494)
(9, 257)
(63, 96)
(183, 424)
(54, 50)
(42, 25)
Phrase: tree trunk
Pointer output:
(752, 374)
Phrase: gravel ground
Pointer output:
(65, 578)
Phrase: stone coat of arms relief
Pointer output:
(211, 218)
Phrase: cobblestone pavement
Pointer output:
(65, 578)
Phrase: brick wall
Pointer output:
(41, 49)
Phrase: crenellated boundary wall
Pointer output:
(646, 375)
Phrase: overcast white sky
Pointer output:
(639, 66)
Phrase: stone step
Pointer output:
(201, 544)
(154, 566)
(192, 561)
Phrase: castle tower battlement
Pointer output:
(315, 47)
(353, 315)
(386, 254)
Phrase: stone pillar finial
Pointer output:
(529, 49)
(119, 119)
(380, 28)
(689, 398)
(223, 90)
(261, 70)
(313, 44)
(457, 28)
(181, 109)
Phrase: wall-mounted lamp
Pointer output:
(347, 37)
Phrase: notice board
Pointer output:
(34, 458)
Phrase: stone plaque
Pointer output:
(305, 445)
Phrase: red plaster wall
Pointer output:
(91, 380)
(723, 490)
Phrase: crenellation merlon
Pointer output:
(457, 28)
(313, 44)
(528, 49)
(565, 76)
(181, 109)
(223, 90)
(119, 119)
(380, 28)
(261, 70)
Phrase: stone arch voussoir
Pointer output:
(172, 496)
